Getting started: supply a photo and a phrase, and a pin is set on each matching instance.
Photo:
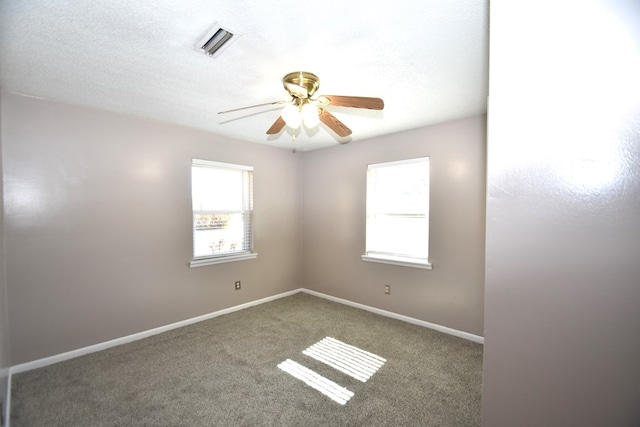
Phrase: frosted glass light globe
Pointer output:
(291, 116)
(310, 116)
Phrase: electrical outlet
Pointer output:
(387, 290)
(238, 285)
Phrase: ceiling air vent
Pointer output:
(215, 40)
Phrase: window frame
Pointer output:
(405, 260)
(198, 261)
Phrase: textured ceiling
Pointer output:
(428, 60)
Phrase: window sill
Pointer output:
(200, 262)
(396, 260)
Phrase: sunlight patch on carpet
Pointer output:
(350, 360)
(325, 386)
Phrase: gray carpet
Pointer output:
(223, 372)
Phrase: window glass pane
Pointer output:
(225, 233)
(216, 189)
(398, 209)
(398, 235)
(402, 188)
(222, 209)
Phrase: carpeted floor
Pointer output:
(224, 372)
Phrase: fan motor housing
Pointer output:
(304, 79)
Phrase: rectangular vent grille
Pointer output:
(216, 41)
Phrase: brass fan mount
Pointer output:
(301, 84)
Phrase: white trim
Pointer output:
(211, 163)
(405, 262)
(40, 363)
(440, 328)
(199, 262)
(379, 204)
(23, 367)
(415, 160)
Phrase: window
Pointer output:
(222, 197)
(398, 213)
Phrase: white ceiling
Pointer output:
(428, 60)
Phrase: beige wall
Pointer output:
(562, 325)
(98, 229)
(5, 361)
(334, 182)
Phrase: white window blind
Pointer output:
(397, 223)
(222, 197)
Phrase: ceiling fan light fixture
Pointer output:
(310, 115)
(303, 108)
(291, 116)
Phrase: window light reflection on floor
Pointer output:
(349, 360)
(346, 358)
(325, 386)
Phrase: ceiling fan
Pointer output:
(303, 108)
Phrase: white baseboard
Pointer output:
(440, 328)
(40, 363)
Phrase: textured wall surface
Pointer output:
(98, 226)
(334, 180)
(562, 324)
(5, 360)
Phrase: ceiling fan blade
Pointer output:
(253, 106)
(353, 101)
(276, 126)
(334, 124)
